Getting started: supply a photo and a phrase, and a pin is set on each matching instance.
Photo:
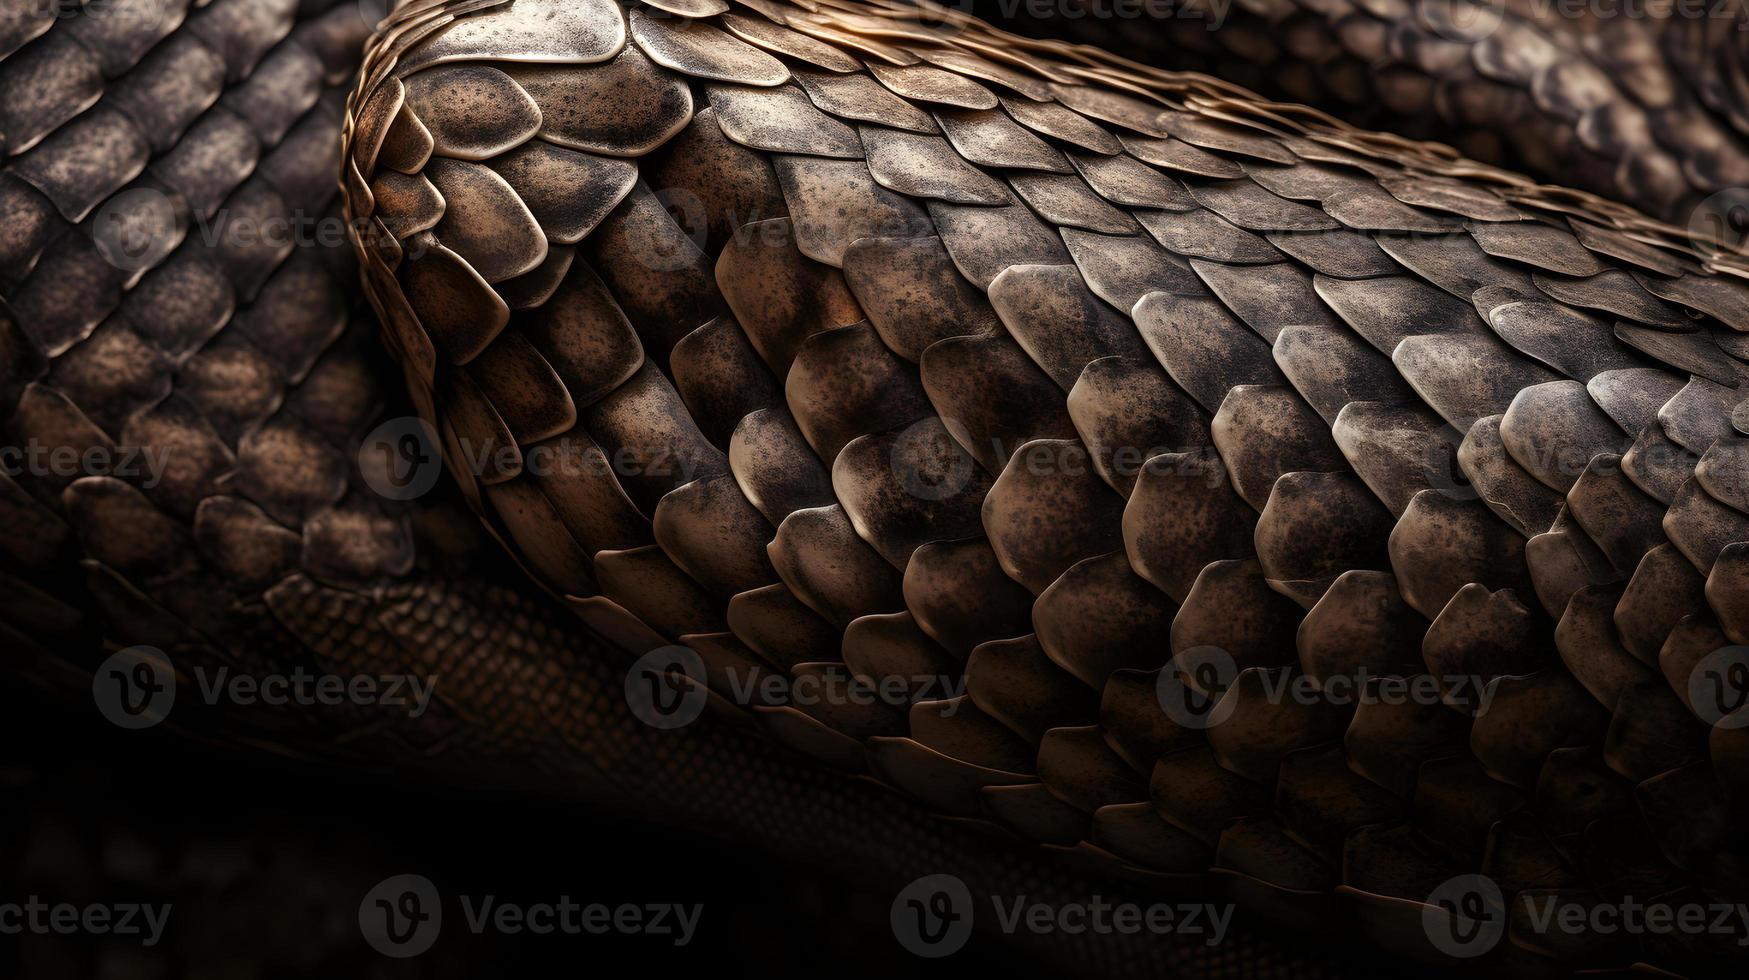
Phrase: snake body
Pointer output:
(1641, 103)
(913, 350)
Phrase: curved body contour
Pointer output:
(919, 351)
(1642, 103)
(1343, 816)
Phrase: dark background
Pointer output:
(265, 861)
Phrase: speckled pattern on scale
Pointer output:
(922, 349)
(1643, 103)
(173, 280)
(831, 340)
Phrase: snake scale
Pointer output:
(838, 340)
(1639, 102)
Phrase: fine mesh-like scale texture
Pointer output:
(832, 343)
(174, 289)
(1639, 103)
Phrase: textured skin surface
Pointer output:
(253, 369)
(1638, 103)
(264, 549)
(1048, 372)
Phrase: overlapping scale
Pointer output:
(911, 371)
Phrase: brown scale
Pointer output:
(1305, 465)
(826, 279)
(1631, 108)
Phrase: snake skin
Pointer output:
(263, 547)
(249, 366)
(1643, 103)
(921, 350)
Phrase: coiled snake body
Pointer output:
(848, 340)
